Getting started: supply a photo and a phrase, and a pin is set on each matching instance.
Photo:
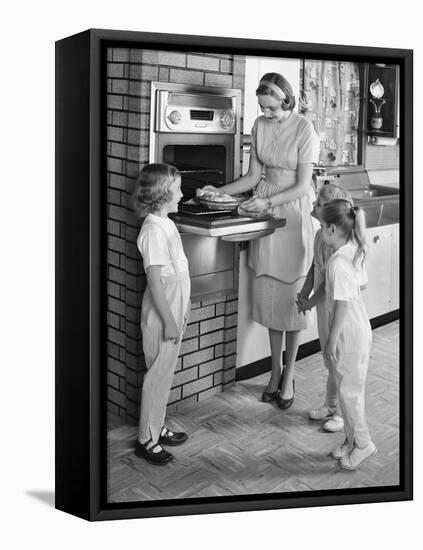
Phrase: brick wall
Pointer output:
(208, 353)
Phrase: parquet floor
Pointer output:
(238, 445)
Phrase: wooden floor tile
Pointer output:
(239, 445)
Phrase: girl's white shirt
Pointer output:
(154, 248)
(344, 277)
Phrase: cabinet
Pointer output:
(252, 338)
(379, 267)
(382, 92)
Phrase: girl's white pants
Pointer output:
(160, 356)
(351, 372)
(331, 399)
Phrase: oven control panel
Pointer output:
(197, 113)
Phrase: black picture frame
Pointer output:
(80, 310)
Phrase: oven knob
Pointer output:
(175, 117)
(227, 120)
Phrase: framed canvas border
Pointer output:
(81, 465)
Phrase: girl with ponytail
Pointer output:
(351, 222)
(329, 412)
(349, 341)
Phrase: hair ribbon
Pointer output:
(278, 91)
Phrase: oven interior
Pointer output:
(199, 165)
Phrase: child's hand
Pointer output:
(303, 293)
(171, 331)
(186, 318)
(330, 349)
(302, 303)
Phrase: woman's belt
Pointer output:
(280, 176)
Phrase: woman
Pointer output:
(283, 150)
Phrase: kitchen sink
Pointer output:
(380, 204)
(374, 191)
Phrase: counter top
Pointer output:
(233, 226)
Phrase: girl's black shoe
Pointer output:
(172, 438)
(158, 459)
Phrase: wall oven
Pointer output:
(198, 130)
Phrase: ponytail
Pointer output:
(352, 222)
(359, 233)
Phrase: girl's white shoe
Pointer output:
(358, 457)
(334, 424)
(341, 450)
(321, 413)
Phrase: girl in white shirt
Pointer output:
(350, 336)
(315, 280)
(165, 305)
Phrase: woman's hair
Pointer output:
(271, 83)
(330, 191)
(152, 188)
(350, 220)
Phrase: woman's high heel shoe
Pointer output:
(268, 397)
(286, 403)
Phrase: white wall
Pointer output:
(255, 68)
(389, 178)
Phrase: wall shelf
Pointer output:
(388, 77)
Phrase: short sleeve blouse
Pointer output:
(284, 144)
(154, 246)
(344, 278)
(342, 283)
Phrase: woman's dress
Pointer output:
(281, 260)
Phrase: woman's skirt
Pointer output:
(273, 304)
(281, 261)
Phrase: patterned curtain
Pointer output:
(330, 98)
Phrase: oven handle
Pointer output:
(238, 237)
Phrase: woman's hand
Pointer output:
(171, 331)
(255, 205)
(330, 349)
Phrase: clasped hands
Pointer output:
(303, 303)
(255, 205)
